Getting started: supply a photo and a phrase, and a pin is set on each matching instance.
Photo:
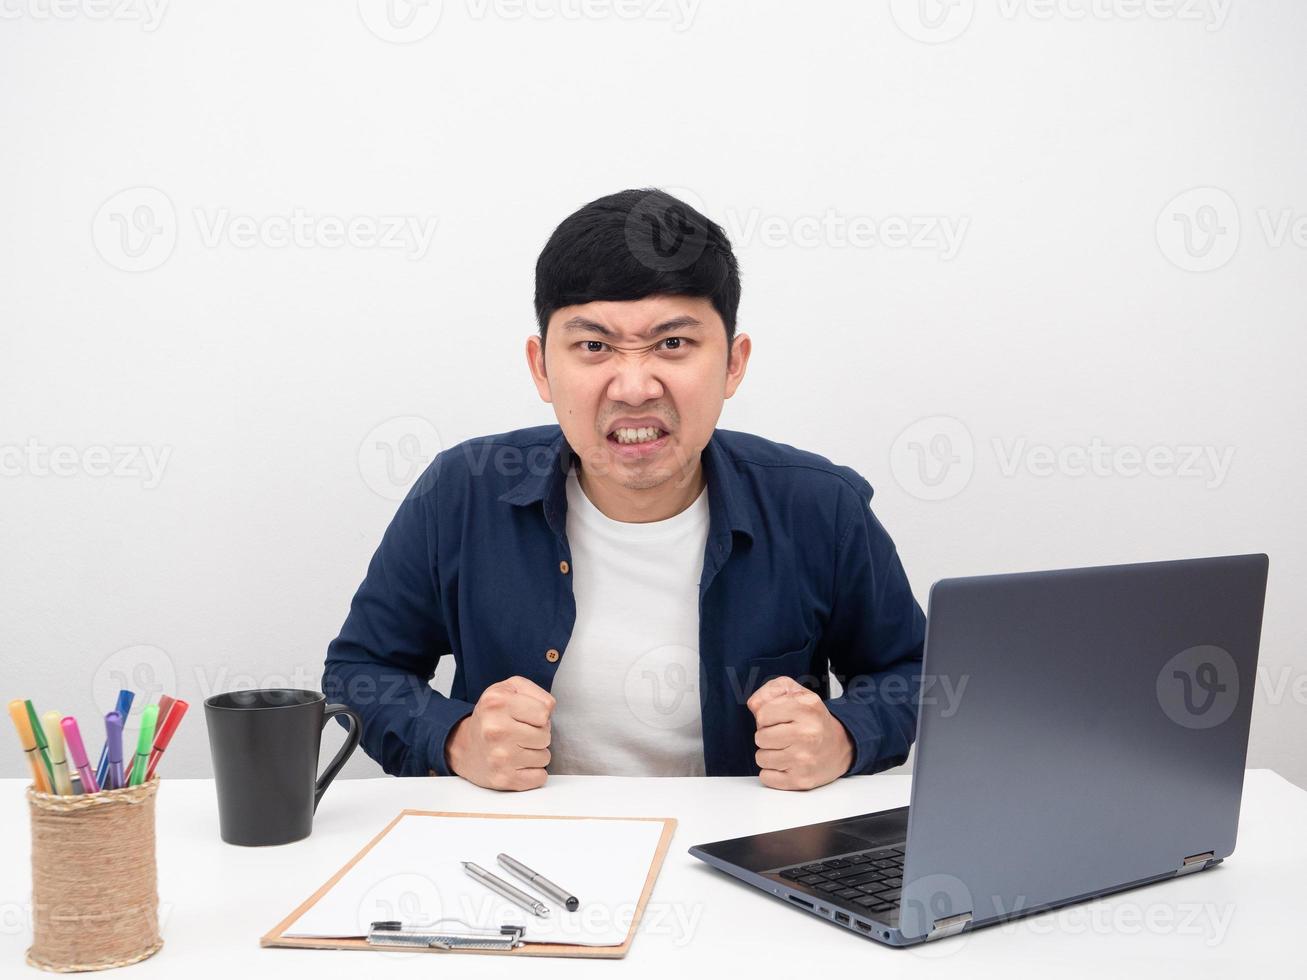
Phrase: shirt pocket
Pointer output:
(798, 664)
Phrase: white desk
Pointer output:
(216, 899)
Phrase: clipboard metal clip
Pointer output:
(393, 933)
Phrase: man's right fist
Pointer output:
(504, 742)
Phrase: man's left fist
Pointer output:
(801, 745)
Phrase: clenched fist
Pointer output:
(504, 742)
(800, 743)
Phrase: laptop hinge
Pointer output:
(1195, 862)
(948, 926)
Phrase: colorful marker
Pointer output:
(164, 737)
(123, 707)
(113, 745)
(18, 712)
(165, 709)
(143, 743)
(63, 783)
(42, 747)
(77, 752)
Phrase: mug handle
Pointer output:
(352, 735)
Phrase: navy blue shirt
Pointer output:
(799, 579)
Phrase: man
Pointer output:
(633, 591)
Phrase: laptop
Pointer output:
(1081, 732)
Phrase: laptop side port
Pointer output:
(841, 918)
(864, 926)
(798, 901)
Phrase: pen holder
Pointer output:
(95, 902)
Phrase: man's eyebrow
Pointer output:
(676, 323)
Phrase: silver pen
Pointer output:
(569, 900)
(500, 886)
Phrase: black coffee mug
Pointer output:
(265, 761)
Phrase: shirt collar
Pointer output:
(727, 502)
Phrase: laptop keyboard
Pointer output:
(871, 880)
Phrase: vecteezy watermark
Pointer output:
(406, 21)
(1199, 687)
(1208, 463)
(429, 901)
(940, 234)
(125, 462)
(393, 454)
(408, 898)
(1117, 916)
(660, 234)
(932, 21)
(147, 13)
(934, 458)
(662, 687)
(939, 21)
(1200, 230)
(400, 21)
(1288, 682)
(407, 233)
(147, 671)
(926, 904)
(136, 230)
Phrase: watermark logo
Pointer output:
(36, 459)
(400, 21)
(409, 898)
(1198, 230)
(933, 458)
(1211, 14)
(148, 13)
(660, 232)
(1199, 687)
(395, 453)
(932, 21)
(147, 671)
(931, 899)
(136, 229)
(662, 687)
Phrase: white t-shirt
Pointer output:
(627, 687)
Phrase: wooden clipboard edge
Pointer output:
(275, 938)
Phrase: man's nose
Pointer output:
(635, 380)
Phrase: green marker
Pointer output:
(143, 743)
(42, 746)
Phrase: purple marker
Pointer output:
(113, 747)
(77, 752)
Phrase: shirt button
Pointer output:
(563, 567)
(552, 655)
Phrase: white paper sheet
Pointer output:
(415, 874)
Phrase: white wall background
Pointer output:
(1046, 299)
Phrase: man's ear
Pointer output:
(737, 359)
(535, 362)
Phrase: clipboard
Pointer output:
(276, 937)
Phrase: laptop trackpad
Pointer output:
(877, 829)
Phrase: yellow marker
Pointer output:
(54, 734)
(18, 712)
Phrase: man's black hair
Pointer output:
(633, 244)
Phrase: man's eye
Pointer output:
(677, 344)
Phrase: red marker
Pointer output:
(162, 739)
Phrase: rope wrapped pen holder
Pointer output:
(95, 902)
